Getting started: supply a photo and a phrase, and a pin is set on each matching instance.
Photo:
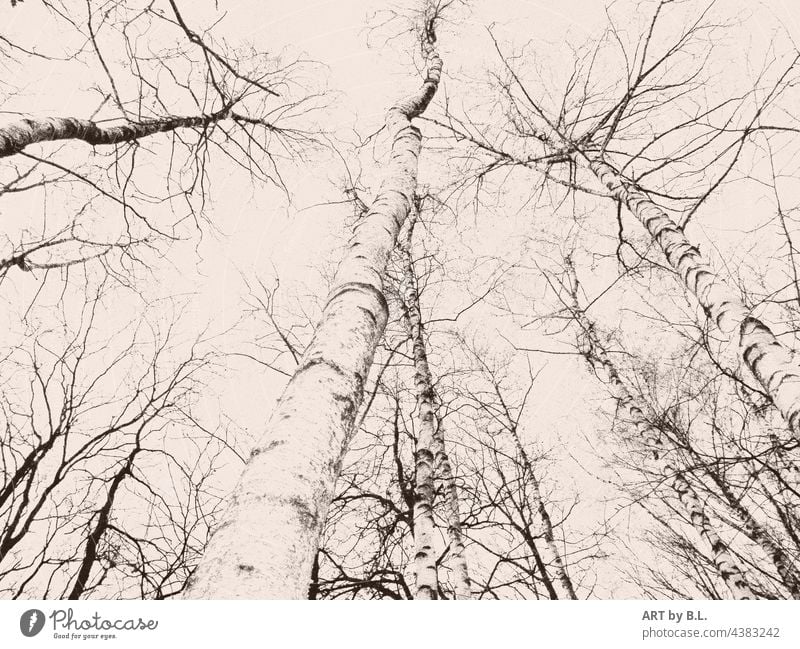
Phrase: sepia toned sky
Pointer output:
(262, 232)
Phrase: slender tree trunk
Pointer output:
(547, 524)
(727, 566)
(458, 558)
(426, 584)
(264, 547)
(313, 587)
(760, 535)
(14, 137)
(764, 355)
(431, 457)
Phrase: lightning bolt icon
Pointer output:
(32, 620)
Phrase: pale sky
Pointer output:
(263, 234)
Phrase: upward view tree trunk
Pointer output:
(458, 558)
(14, 137)
(727, 566)
(426, 578)
(432, 460)
(547, 524)
(770, 361)
(760, 535)
(434, 438)
(266, 544)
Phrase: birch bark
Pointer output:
(760, 534)
(426, 582)
(432, 460)
(727, 566)
(458, 558)
(265, 545)
(765, 356)
(17, 135)
(547, 524)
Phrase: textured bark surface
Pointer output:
(432, 460)
(14, 137)
(265, 546)
(727, 566)
(759, 534)
(771, 362)
(458, 557)
(426, 581)
(547, 524)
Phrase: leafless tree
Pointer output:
(169, 104)
(627, 127)
(290, 477)
(109, 473)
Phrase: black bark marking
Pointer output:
(307, 517)
(362, 287)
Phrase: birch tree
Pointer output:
(388, 491)
(432, 460)
(289, 479)
(618, 133)
(414, 452)
(728, 567)
(426, 581)
(161, 106)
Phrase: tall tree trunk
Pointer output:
(14, 137)
(265, 545)
(426, 584)
(432, 458)
(727, 566)
(547, 524)
(764, 355)
(458, 557)
(90, 555)
(760, 535)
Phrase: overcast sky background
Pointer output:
(299, 240)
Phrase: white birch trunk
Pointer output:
(265, 545)
(458, 557)
(426, 579)
(765, 356)
(547, 524)
(17, 135)
(431, 458)
(759, 534)
(727, 566)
